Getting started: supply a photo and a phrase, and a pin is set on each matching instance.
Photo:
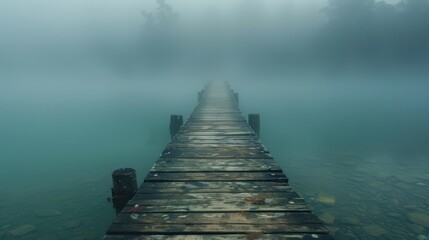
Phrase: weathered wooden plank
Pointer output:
(214, 161)
(204, 168)
(193, 122)
(204, 205)
(230, 152)
(247, 236)
(243, 138)
(219, 218)
(216, 109)
(215, 114)
(217, 176)
(219, 122)
(218, 142)
(215, 154)
(216, 133)
(229, 149)
(214, 228)
(267, 197)
(211, 144)
(205, 165)
(212, 127)
(214, 187)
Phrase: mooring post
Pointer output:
(200, 95)
(236, 96)
(254, 122)
(124, 187)
(176, 122)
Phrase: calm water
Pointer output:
(358, 153)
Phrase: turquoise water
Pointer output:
(61, 141)
(357, 152)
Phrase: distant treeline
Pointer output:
(365, 33)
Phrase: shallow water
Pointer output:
(358, 153)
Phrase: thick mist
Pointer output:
(341, 85)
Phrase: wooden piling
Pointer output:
(176, 122)
(200, 95)
(254, 122)
(124, 187)
(236, 97)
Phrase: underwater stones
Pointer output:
(374, 210)
(350, 236)
(422, 237)
(47, 213)
(394, 214)
(351, 220)
(325, 199)
(395, 201)
(22, 230)
(72, 224)
(374, 230)
(419, 218)
(332, 229)
(327, 218)
(416, 228)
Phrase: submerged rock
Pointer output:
(327, 218)
(374, 210)
(322, 198)
(333, 230)
(350, 236)
(394, 214)
(72, 224)
(374, 230)
(22, 230)
(416, 228)
(351, 220)
(422, 237)
(419, 218)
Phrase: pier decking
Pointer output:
(215, 180)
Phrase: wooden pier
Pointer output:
(215, 180)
